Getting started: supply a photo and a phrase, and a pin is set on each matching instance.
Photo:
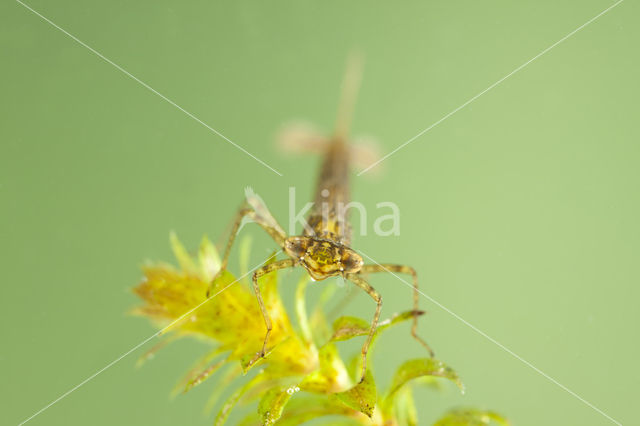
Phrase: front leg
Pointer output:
(281, 264)
(264, 219)
(360, 282)
(403, 269)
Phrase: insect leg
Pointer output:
(281, 264)
(360, 282)
(403, 269)
(265, 220)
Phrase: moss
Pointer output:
(302, 376)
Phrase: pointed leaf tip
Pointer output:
(362, 397)
(182, 255)
(203, 375)
(273, 402)
(423, 367)
(209, 259)
(346, 327)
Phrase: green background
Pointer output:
(520, 211)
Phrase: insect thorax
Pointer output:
(323, 258)
(334, 228)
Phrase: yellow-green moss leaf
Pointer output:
(305, 407)
(345, 328)
(361, 397)
(471, 417)
(182, 255)
(251, 360)
(405, 407)
(397, 318)
(423, 367)
(228, 405)
(272, 403)
(208, 259)
(198, 368)
(301, 310)
(223, 384)
(331, 376)
(204, 375)
(231, 402)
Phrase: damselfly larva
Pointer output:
(324, 247)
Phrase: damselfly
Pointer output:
(324, 247)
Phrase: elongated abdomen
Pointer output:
(328, 216)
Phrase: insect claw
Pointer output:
(364, 374)
(210, 290)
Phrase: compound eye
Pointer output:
(295, 246)
(351, 262)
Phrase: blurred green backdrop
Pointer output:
(520, 212)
